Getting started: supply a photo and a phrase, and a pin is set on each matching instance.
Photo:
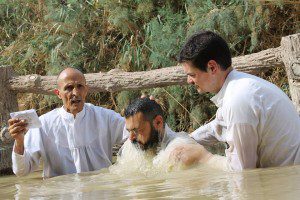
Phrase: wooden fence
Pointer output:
(287, 56)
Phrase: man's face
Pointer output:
(142, 132)
(72, 90)
(202, 80)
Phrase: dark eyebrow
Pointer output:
(190, 74)
(67, 85)
(134, 129)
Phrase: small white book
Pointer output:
(29, 116)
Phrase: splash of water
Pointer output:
(136, 161)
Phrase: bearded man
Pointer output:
(144, 120)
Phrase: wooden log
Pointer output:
(8, 98)
(118, 80)
(8, 103)
(291, 58)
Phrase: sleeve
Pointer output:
(242, 151)
(29, 161)
(206, 134)
(117, 128)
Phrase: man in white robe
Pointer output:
(77, 137)
(256, 119)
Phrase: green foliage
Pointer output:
(44, 36)
(124, 98)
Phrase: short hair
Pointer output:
(149, 108)
(203, 47)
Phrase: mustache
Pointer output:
(75, 99)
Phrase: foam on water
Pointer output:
(134, 160)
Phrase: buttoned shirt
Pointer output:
(71, 145)
(257, 120)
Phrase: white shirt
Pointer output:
(257, 120)
(71, 145)
(170, 137)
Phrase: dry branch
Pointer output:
(118, 80)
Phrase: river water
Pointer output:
(199, 182)
(140, 175)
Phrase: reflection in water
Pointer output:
(199, 182)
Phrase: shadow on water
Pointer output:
(197, 183)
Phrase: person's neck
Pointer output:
(160, 139)
(161, 135)
(227, 71)
(222, 79)
(73, 113)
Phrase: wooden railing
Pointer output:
(287, 56)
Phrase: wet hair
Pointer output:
(149, 108)
(203, 47)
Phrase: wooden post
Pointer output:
(8, 103)
(291, 59)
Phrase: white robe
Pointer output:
(69, 145)
(257, 120)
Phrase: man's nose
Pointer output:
(132, 136)
(75, 91)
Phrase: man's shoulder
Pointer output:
(248, 83)
(51, 114)
(176, 137)
(185, 136)
(98, 109)
(103, 113)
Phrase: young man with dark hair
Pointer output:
(256, 119)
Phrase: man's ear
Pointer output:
(158, 122)
(212, 66)
(56, 91)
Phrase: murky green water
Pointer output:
(196, 183)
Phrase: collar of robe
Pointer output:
(168, 136)
(218, 98)
(70, 116)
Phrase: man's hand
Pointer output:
(17, 129)
(146, 96)
(190, 154)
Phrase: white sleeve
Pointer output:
(242, 151)
(206, 134)
(29, 161)
(117, 128)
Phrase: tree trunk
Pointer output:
(118, 80)
(291, 58)
(8, 103)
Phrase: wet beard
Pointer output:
(152, 143)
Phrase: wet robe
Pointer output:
(257, 120)
(71, 145)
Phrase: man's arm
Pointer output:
(242, 153)
(207, 134)
(23, 161)
(117, 128)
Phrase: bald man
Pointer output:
(78, 137)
